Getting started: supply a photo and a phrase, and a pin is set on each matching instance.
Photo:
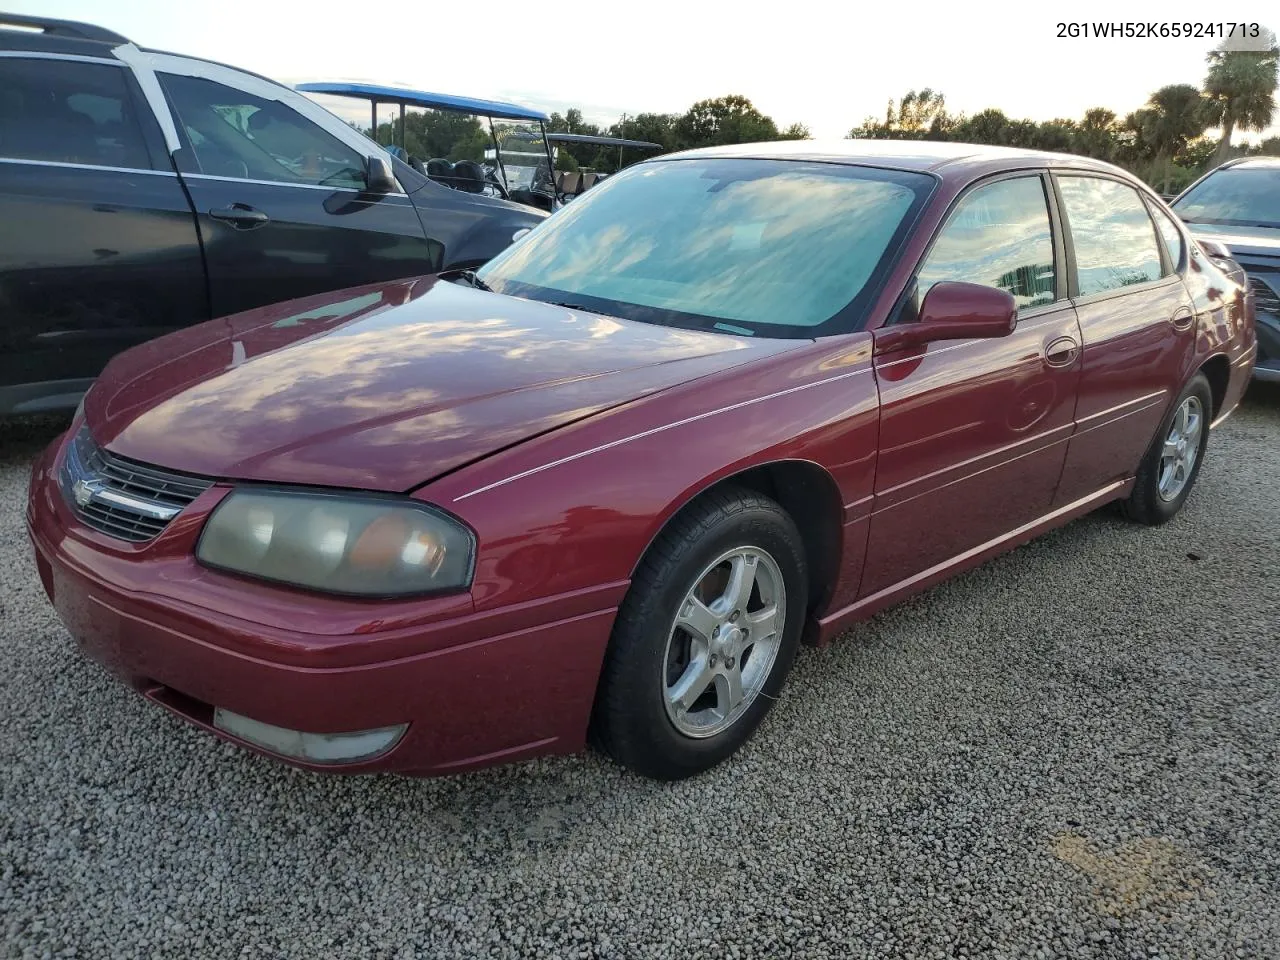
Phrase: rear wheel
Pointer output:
(705, 637)
(1169, 470)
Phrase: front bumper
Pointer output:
(474, 689)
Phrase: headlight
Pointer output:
(338, 543)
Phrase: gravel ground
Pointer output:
(1069, 752)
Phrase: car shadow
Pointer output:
(21, 438)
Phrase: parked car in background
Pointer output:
(1238, 205)
(722, 401)
(142, 192)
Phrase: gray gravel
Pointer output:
(1069, 752)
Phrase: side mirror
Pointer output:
(378, 175)
(953, 310)
(1215, 248)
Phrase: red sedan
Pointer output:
(729, 401)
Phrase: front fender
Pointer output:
(577, 507)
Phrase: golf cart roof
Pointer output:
(602, 141)
(422, 98)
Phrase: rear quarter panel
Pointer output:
(1225, 322)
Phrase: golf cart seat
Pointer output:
(440, 170)
(469, 176)
(569, 182)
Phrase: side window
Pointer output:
(1170, 236)
(999, 235)
(1114, 239)
(64, 111)
(235, 134)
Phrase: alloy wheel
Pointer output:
(1181, 448)
(723, 642)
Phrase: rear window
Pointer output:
(63, 111)
(1113, 236)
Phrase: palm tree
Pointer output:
(1095, 135)
(1241, 87)
(1173, 116)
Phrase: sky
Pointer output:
(828, 65)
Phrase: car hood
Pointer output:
(384, 387)
(1248, 241)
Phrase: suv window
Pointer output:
(1170, 236)
(63, 111)
(235, 134)
(999, 235)
(1114, 239)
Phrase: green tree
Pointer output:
(437, 133)
(986, 126)
(1058, 135)
(653, 127)
(1241, 87)
(731, 119)
(1173, 117)
(797, 131)
(1198, 153)
(1096, 134)
(918, 115)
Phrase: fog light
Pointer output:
(316, 747)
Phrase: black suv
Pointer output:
(142, 191)
(1238, 204)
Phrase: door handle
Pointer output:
(1182, 318)
(1061, 352)
(240, 215)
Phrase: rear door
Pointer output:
(973, 432)
(1138, 329)
(281, 202)
(98, 247)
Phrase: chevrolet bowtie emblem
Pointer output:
(83, 490)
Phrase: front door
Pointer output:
(281, 203)
(98, 248)
(1138, 331)
(973, 432)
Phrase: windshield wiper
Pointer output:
(469, 276)
(569, 306)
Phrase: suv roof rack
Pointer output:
(61, 28)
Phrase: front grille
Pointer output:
(119, 497)
(1265, 299)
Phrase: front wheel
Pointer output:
(1169, 470)
(705, 637)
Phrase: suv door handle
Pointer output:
(240, 215)
(1061, 352)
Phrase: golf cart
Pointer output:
(477, 146)
(570, 184)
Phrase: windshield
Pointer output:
(1244, 196)
(776, 248)
(523, 152)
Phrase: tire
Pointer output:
(663, 638)
(1157, 495)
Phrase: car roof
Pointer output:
(944, 158)
(47, 35)
(1251, 163)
